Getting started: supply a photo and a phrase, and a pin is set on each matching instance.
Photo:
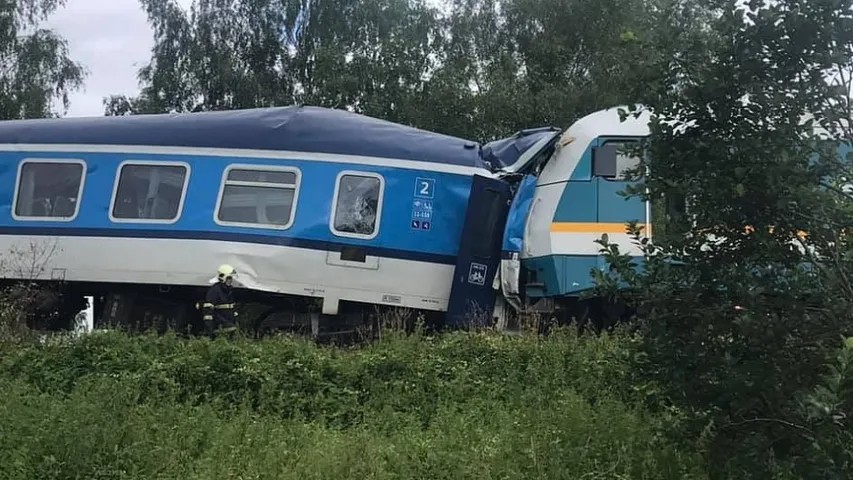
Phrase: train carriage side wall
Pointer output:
(338, 231)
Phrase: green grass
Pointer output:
(458, 406)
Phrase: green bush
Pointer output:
(456, 406)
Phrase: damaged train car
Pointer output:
(328, 216)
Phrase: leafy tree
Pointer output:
(741, 313)
(481, 69)
(35, 69)
(366, 56)
(526, 63)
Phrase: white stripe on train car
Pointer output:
(246, 153)
(288, 270)
(571, 243)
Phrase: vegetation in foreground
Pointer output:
(457, 406)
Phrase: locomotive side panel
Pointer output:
(576, 201)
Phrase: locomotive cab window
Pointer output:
(253, 196)
(612, 161)
(49, 190)
(357, 205)
(149, 192)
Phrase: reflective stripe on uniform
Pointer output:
(208, 317)
(207, 305)
(224, 306)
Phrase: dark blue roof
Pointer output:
(296, 128)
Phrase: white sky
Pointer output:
(112, 40)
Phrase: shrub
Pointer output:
(457, 406)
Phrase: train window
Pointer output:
(49, 189)
(624, 164)
(149, 192)
(253, 196)
(358, 205)
(612, 163)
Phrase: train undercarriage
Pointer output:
(55, 306)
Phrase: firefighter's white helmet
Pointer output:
(225, 271)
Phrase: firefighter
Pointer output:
(219, 309)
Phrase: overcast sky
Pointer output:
(112, 39)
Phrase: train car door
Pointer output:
(472, 294)
(609, 167)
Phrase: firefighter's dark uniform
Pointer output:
(218, 309)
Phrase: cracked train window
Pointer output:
(49, 189)
(358, 205)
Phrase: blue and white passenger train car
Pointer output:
(312, 203)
